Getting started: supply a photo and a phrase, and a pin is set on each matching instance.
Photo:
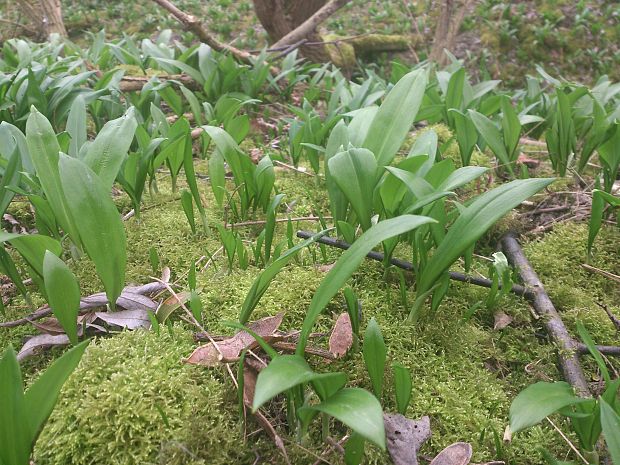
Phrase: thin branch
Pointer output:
(308, 26)
(193, 24)
(378, 256)
(278, 220)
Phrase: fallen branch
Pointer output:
(378, 256)
(278, 220)
(567, 346)
(88, 303)
(136, 83)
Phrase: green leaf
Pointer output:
(42, 395)
(359, 410)
(538, 401)
(76, 125)
(610, 421)
(188, 208)
(63, 293)
(44, 152)
(354, 173)
(107, 152)
(391, 124)
(32, 247)
(349, 262)
(354, 449)
(374, 356)
(473, 222)
(283, 373)
(492, 136)
(262, 282)
(402, 387)
(587, 340)
(100, 227)
(10, 177)
(15, 432)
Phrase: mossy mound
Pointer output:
(132, 401)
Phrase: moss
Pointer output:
(131, 400)
(372, 43)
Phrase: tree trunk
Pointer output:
(279, 17)
(45, 16)
(449, 23)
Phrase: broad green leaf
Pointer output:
(402, 387)
(354, 173)
(538, 401)
(610, 421)
(10, 177)
(473, 222)
(359, 410)
(354, 449)
(42, 395)
(282, 373)
(492, 136)
(109, 149)
(466, 135)
(349, 261)
(63, 293)
(374, 356)
(100, 227)
(587, 340)
(262, 282)
(44, 153)
(76, 125)
(391, 124)
(188, 208)
(15, 432)
(511, 127)
(217, 176)
(32, 247)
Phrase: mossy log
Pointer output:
(344, 51)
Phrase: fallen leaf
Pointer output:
(48, 326)
(341, 339)
(130, 319)
(501, 320)
(171, 304)
(458, 453)
(229, 350)
(42, 341)
(405, 436)
(325, 268)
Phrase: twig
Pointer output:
(538, 297)
(278, 220)
(570, 444)
(193, 24)
(607, 274)
(606, 350)
(378, 256)
(309, 25)
(290, 347)
(614, 320)
(291, 167)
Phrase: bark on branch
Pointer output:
(193, 24)
(308, 26)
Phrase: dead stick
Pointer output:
(605, 350)
(378, 256)
(278, 220)
(567, 354)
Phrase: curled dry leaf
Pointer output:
(42, 341)
(341, 339)
(171, 304)
(229, 350)
(405, 436)
(130, 319)
(458, 453)
(501, 320)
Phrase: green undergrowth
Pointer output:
(132, 400)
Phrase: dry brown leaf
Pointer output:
(230, 349)
(458, 453)
(171, 304)
(42, 341)
(325, 268)
(130, 319)
(341, 339)
(405, 436)
(501, 320)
